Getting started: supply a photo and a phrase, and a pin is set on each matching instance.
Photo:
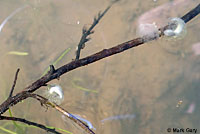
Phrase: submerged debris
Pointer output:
(179, 103)
(88, 123)
(191, 108)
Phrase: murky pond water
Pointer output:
(144, 90)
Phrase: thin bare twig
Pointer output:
(190, 15)
(14, 83)
(45, 102)
(30, 123)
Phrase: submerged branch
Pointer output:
(45, 102)
(190, 15)
(29, 123)
(86, 32)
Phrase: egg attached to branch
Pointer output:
(177, 29)
(55, 94)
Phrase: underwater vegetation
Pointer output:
(18, 53)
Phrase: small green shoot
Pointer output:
(6, 130)
(74, 81)
(17, 53)
(57, 60)
(25, 125)
(14, 123)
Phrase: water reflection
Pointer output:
(10, 16)
(119, 117)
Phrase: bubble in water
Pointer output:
(55, 94)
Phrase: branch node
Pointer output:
(52, 69)
(84, 30)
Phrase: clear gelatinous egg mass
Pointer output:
(177, 28)
(148, 31)
(55, 94)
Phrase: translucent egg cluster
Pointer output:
(177, 28)
(148, 31)
(55, 94)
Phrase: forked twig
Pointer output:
(47, 103)
(86, 32)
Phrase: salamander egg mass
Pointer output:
(177, 28)
(54, 94)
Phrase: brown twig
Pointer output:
(14, 83)
(190, 15)
(30, 123)
(87, 32)
(45, 102)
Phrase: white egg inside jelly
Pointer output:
(55, 94)
(177, 29)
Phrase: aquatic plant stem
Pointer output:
(14, 123)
